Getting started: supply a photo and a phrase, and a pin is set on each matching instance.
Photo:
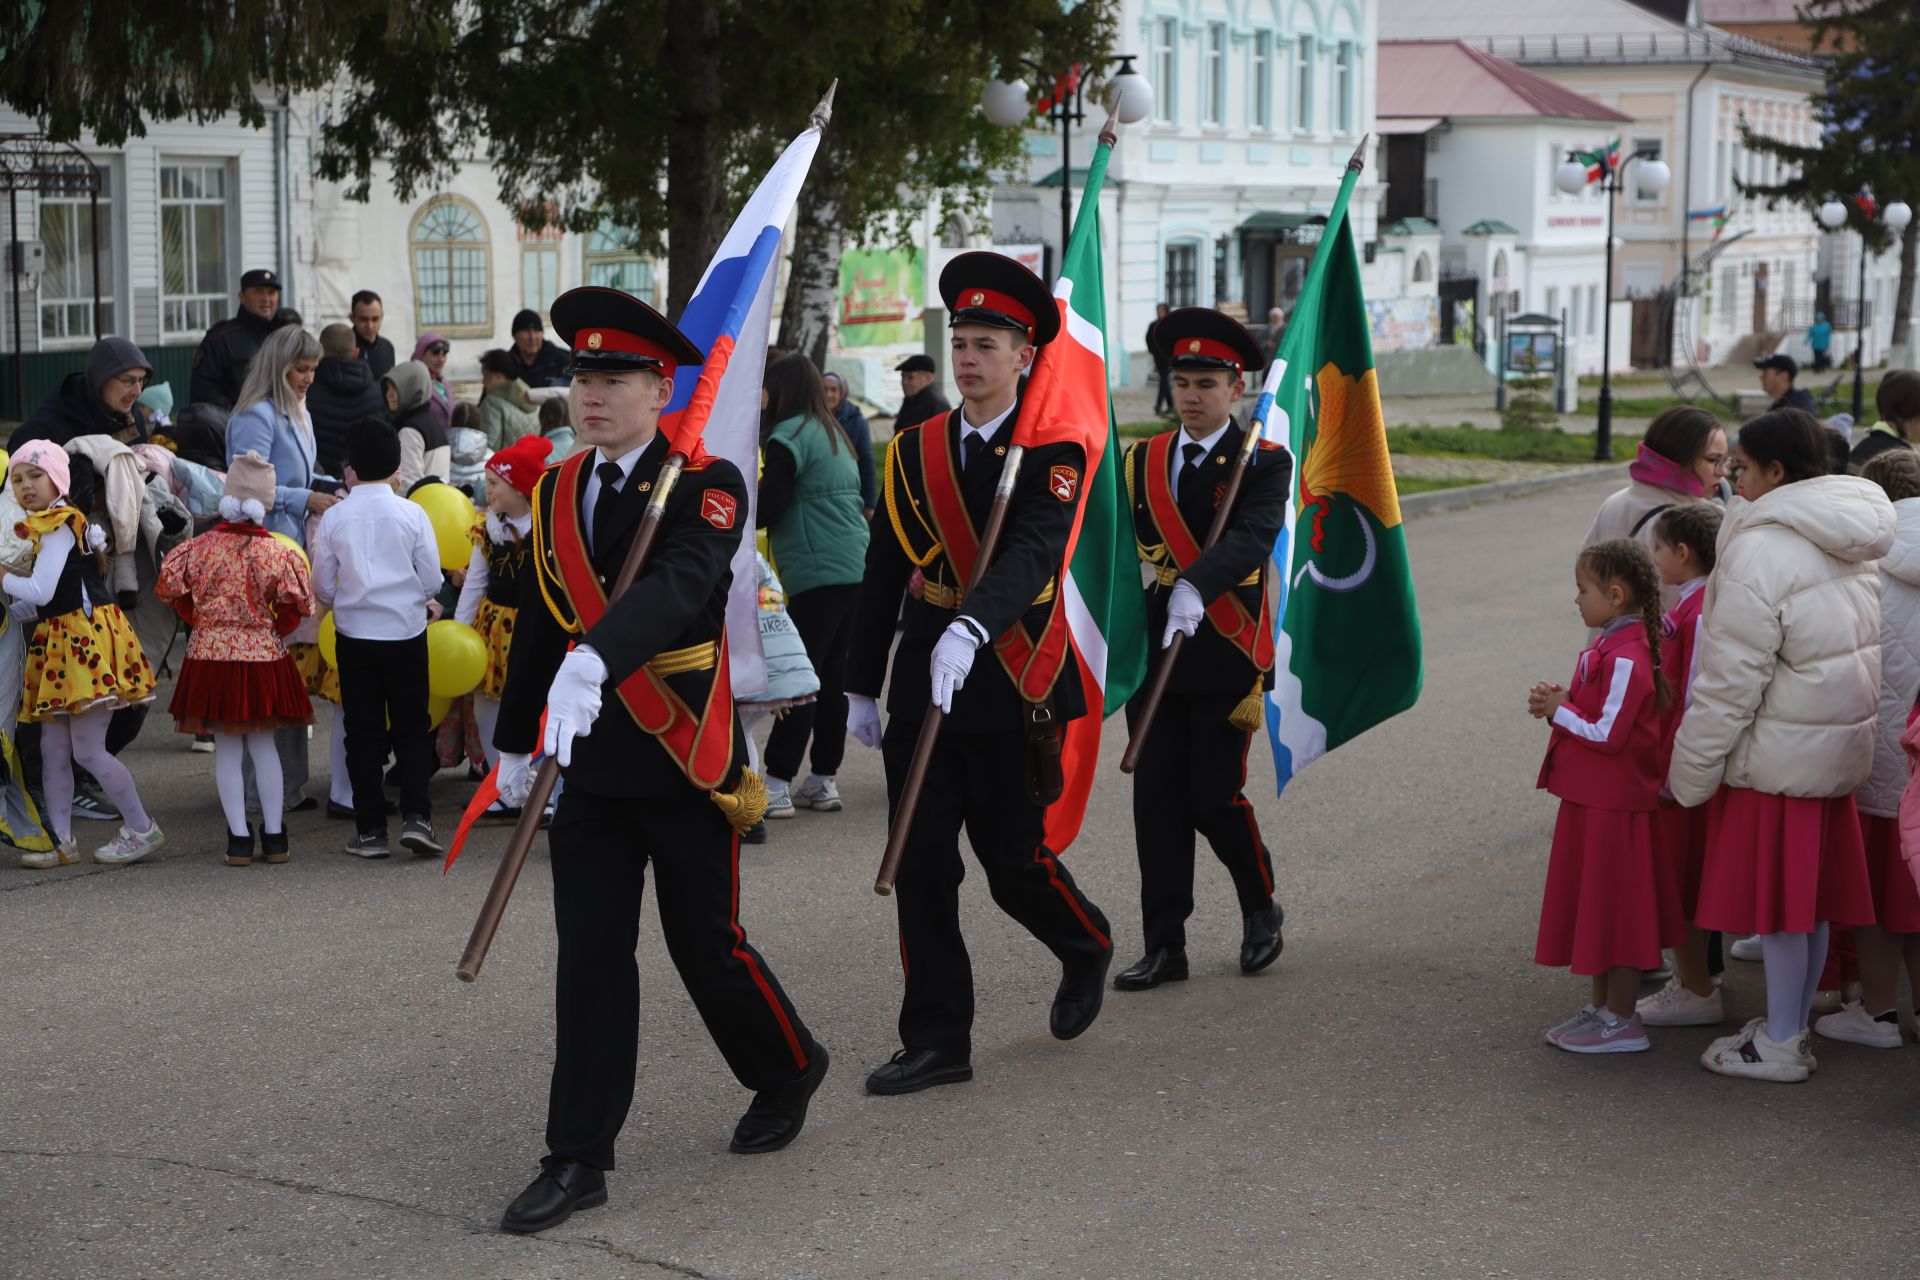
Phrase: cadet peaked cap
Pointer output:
(612, 332)
(916, 364)
(260, 277)
(1202, 338)
(992, 289)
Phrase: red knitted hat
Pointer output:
(521, 462)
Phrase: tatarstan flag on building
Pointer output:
(1347, 643)
(1066, 400)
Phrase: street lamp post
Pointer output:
(1833, 216)
(1650, 179)
(1005, 103)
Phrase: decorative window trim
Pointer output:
(415, 245)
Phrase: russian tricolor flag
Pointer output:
(719, 402)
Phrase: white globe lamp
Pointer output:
(1005, 102)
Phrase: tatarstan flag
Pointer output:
(1347, 641)
(1066, 400)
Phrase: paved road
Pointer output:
(272, 1072)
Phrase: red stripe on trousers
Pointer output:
(1053, 878)
(1253, 825)
(759, 978)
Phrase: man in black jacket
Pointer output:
(368, 314)
(226, 353)
(994, 660)
(657, 655)
(1193, 765)
(922, 401)
(344, 391)
(536, 361)
(102, 400)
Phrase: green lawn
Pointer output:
(1508, 445)
(1631, 405)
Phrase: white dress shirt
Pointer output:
(591, 498)
(1207, 442)
(985, 430)
(376, 562)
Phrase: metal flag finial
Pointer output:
(824, 111)
(1354, 165)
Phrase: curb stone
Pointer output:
(1472, 495)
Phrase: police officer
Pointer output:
(655, 656)
(1193, 764)
(994, 660)
(226, 353)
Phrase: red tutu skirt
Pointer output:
(1680, 834)
(1611, 901)
(1896, 902)
(240, 697)
(1782, 864)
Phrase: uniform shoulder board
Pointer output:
(1269, 446)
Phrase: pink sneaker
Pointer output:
(1622, 1035)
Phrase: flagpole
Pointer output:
(989, 541)
(1249, 446)
(494, 907)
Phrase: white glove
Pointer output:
(952, 659)
(573, 702)
(1184, 611)
(863, 719)
(516, 779)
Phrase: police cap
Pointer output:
(1202, 338)
(992, 289)
(614, 332)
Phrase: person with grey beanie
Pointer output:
(101, 400)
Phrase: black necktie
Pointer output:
(610, 477)
(1190, 473)
(971, 443)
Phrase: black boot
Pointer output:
(273, 846)
(1261, 942)
(240, 849)
(564, 1185)
(1157, 966)
(1083, 985)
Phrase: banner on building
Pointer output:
(1404, 324)
(880, 298)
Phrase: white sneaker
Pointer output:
(818, 794)
(1675, 1006)
(1856, 1026)
(1746, 949)
(1755, 1057)
(779, 802)
(130, 846)
(63, 854)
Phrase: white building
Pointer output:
(1472, 143)
(1686, 88)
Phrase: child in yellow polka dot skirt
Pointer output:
(83, 660)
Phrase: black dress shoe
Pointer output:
(564, 1185)
(1083, 985)
(1149, 971)
(1260, 944)
(775, 1115)
(912, 1070)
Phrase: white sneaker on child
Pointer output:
(1675, 1006)
(817, 793)
(1747, 949)
(130, 846)
(779, 800)
(1754, 1056)
(1856, 1026)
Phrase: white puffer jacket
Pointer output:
(1899, 663)
(1786, 686)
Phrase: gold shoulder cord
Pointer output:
(1152, 554)
(893, 511)
(542, 571)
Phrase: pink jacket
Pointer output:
(1910, 803)
(1681, 631)
(1605, 750)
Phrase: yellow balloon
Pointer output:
(452, 515)
(6, 460)
(456, 659)
(303, 554)
(437, 708)
(327, 635)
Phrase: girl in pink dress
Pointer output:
(1610, 904)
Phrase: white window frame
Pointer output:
(1593, 309)
(606, 258)
(1552, 308)
(1305, 50)
(1171, 295)
(188, 312)
(1260, 82)
(543, 257)
(1166, 68)
(1642, 146)
(77, 304)
(461, 319)
(1213, 76)
(1346, 64)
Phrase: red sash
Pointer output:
(1251, 636)
(702, 744)
(1033, 668)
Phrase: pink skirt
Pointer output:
(1680, 833)
(1611, 901)
(1782, 864)
(1896, 902)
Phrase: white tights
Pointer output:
(1793, 964)
(228, 749)
(83, 737)
(486, 714)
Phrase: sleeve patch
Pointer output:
(1063, 483)
(718, 508)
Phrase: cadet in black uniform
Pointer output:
(1194, 762)
(658, 655)
(226, 353)
(960, 651)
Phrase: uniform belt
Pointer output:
(941, 596)
(1166, 575)
(704, 656)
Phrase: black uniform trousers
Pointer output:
(1189, 780)
(600, 850)
(976, 780)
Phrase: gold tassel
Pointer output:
(746, 804)
(1251, 711)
